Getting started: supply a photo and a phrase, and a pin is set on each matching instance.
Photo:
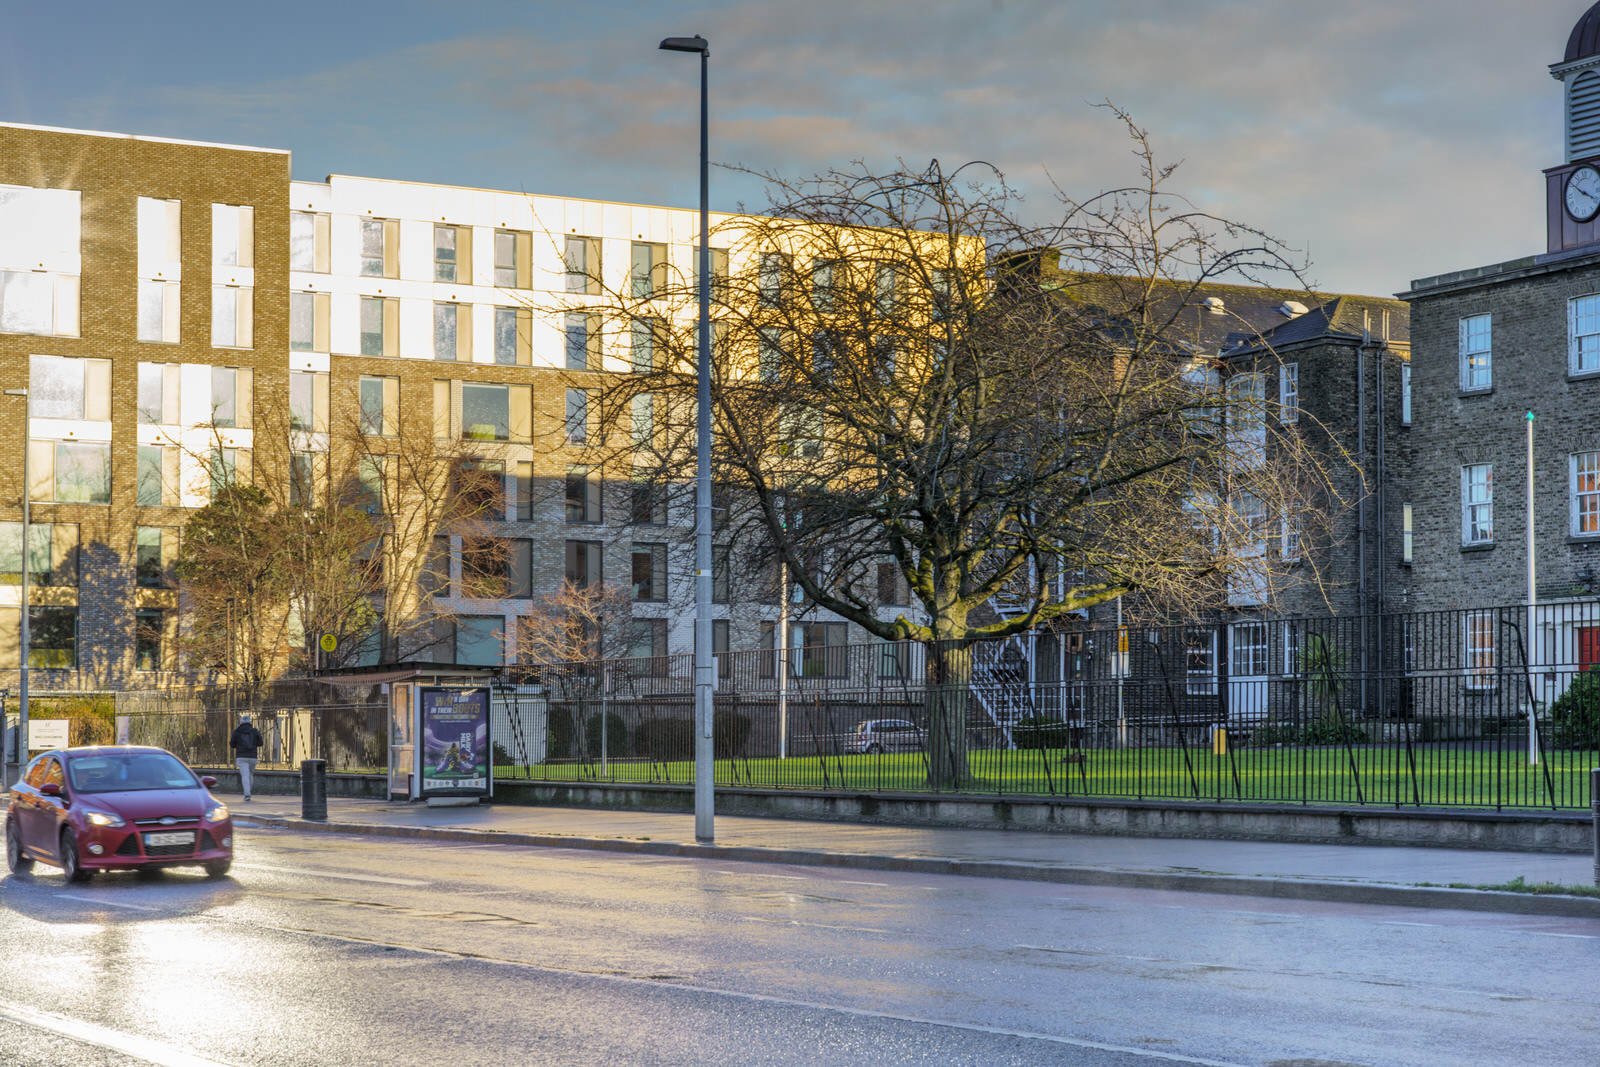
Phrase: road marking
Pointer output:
(785, 877)
(153, 1052)
(813, 926)
(880, 885)
(1396, 922)
(107, 903)
(331, 874)
(1580, 937)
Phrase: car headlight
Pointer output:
(217, 814)
(103, 818)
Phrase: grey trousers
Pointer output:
(247, 766)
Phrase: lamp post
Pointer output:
(23, 637)
(704, 767)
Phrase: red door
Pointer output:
(1589, 648)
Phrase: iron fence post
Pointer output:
(1594, 807)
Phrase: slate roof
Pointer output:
(1585, 39)
(1339, 319)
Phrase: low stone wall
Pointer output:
(1510, 831)
(287, 783)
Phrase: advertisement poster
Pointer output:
(454, 749)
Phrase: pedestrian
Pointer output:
(246, 742)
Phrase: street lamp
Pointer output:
(22, 686)
(704, 767)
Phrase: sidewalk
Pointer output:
(1338, 873)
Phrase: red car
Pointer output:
(102, 808)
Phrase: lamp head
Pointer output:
(687, 44)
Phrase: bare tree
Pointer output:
(900, 381)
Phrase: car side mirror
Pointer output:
(50, 789)
(207, 781)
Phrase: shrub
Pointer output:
(1038, 732)
(1274, 733)
(616, 736)
(666, 740)
(1575, 714)
(1333, 732)
(730, 733)
(562, 733)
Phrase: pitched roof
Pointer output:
(1343, 318)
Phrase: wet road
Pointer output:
(332, 950)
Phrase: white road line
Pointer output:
(144, 1048)
(106, 903)
(331, 874)
(880, 885)
(1580, 937)
(785, 877)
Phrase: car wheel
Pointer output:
(874, 748)
(70, 865)
(15, 859)
(218, 868)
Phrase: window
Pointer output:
(583, 265)
(1477, 504)
(719, 649)
(39, 260)
(823, 652)
(380, 326)
(227, 467)
(380, 405)
(721, 571)
(53, 638)
(380, 248)
(158, 476)
(62, 388)
(158, 393)
(519, 568)
(1583, 335)
(52, 554)
(308, 322)
(648, 276)
(452, 332)
(513, 256)
(1405, 533)
(1477, 369)
(643, 411)
(647, 639)
(160, 268)
(1248, 648)
(582, 341)
(308, 400)
(70, 472)
(770, 353)
(1291, 648)
(232, 316)
(153, 557)
(581, 418)
(479, 640)
(303, 480)
(893, 589)
(1290, 537)
(233, 242)
(1289, 393)
(824, 276)
(771, 278)
(1405, 394)
(1480, 649)
(1585, 494)
(231, 396)
(149, 627)
(583, 564)
(648, 502)
(497, 412)
(583, 494)
(644, 351)
(1200, 662)
(308, 242)
(719, 273)
(886, 286)
(513, 337)
(1247, 419)
(649, 572)
(481, 485)
(452, 254)
(485, 567)
(522, 474)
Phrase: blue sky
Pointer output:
(1392, 139)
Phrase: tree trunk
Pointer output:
(949, 683)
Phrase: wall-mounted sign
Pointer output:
(48, 733)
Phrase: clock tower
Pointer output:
(1572, 190)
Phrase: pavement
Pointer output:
(1364, 874)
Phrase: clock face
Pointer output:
(1583, 194)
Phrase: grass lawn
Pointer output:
(1432, 776)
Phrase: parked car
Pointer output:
(885, 735)
(103, 808)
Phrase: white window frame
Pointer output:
(1248, 640)
(1407, 534)
(1289, 393)
(1584, 493)
(1477, 504)
(1200, 675)
(1475, 344)
(1478, 649)
(1405, 394)
(1583, 334)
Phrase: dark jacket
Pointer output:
(245, 741)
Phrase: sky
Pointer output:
(1386, 139)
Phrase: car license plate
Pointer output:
(180, 837)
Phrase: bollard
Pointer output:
(314, 789)
(1594, 806)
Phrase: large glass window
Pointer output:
(63, 388)
(153, 557)
(231, 396)
(1289, 393)
(308, 401)
(480, 640)
(582, 341)
(512, 253)
(380, 326)
(579, 418)
(380, 248)
(583, 494)
(649, 572)
(308, 322)
(1585, 494)
(1583, 335)
(232, 316)
(1480, 652)
(583, 264)
(70, 472)
(486, 411)
(233, 229)
(39, 260)
(583, 564)
(513, 343)
(308, 242)
(1249, 649)
(649, 270)
(380, 405)
(149, 632)
(52, 554)
(644, 355)
(452, 332)
(1477, 368)
(452, 254)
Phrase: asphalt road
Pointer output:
(335, 950)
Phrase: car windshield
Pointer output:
(116, 773)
